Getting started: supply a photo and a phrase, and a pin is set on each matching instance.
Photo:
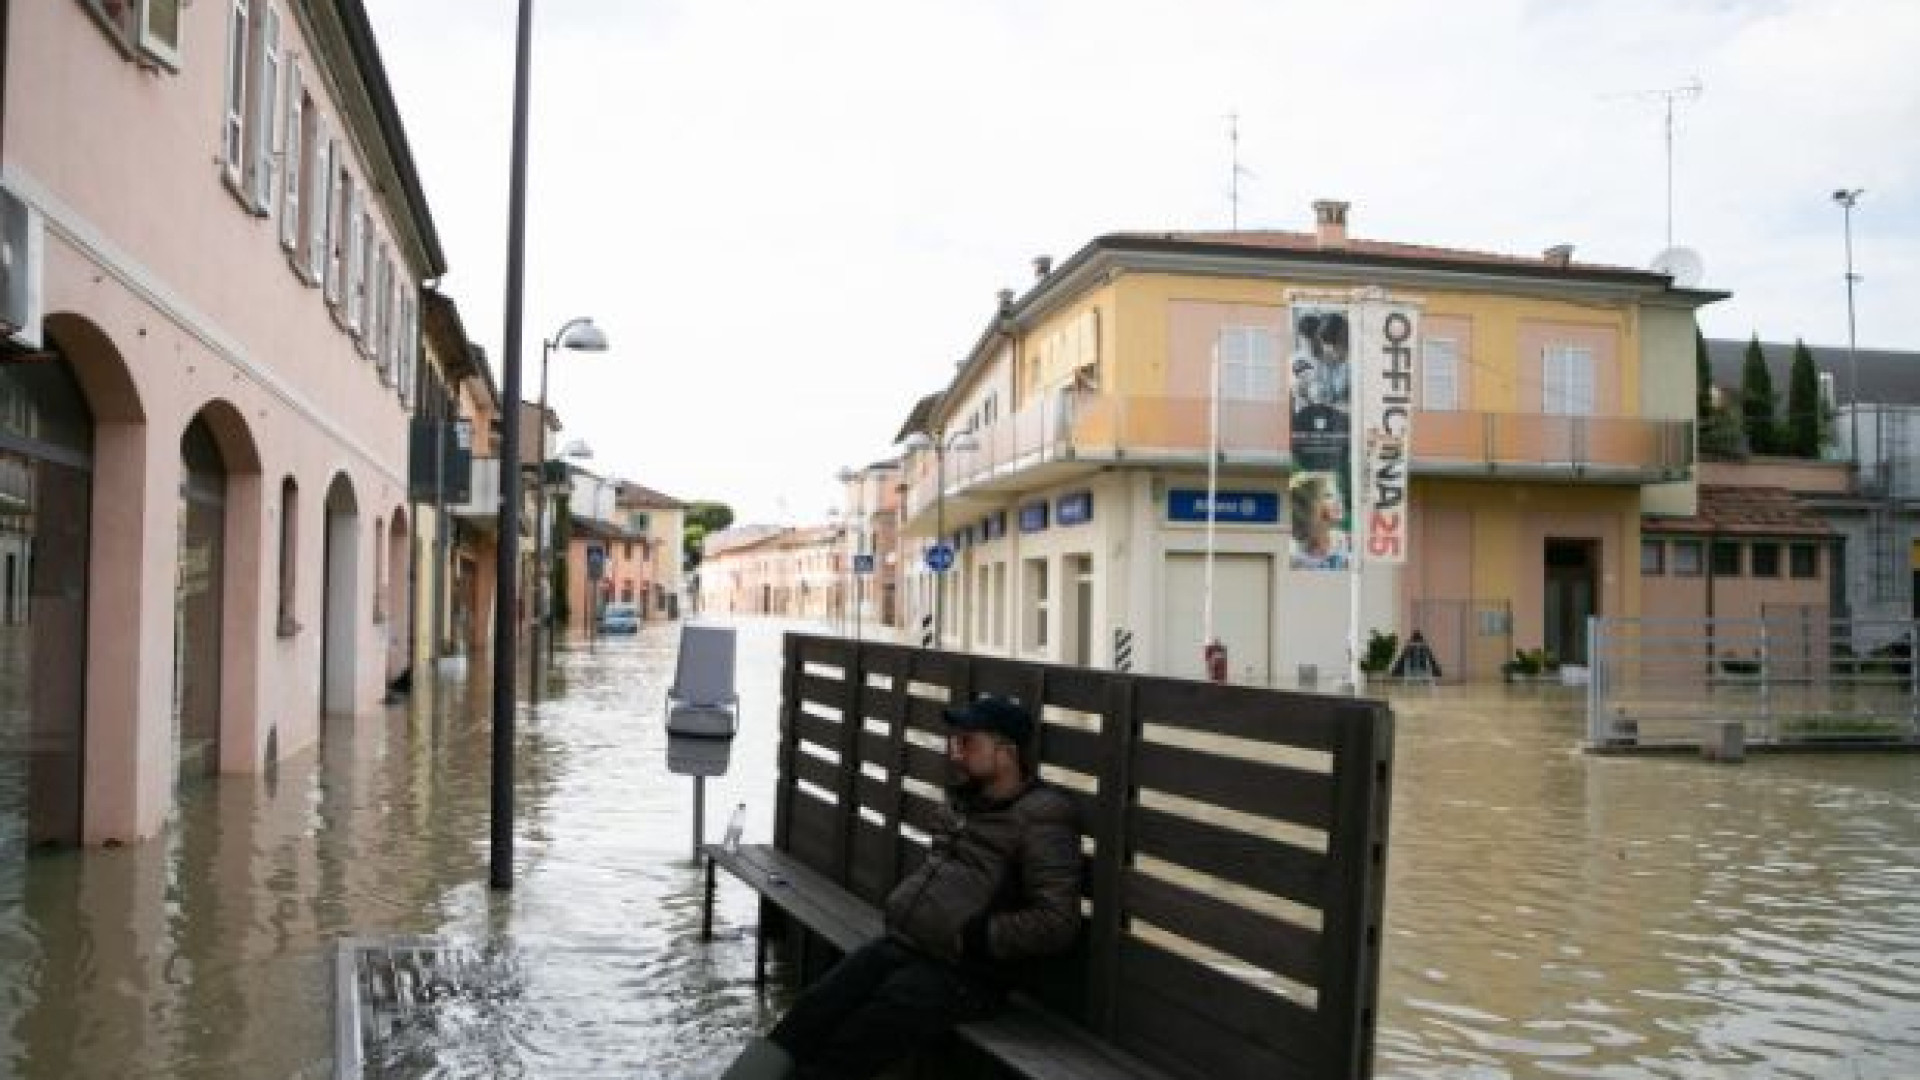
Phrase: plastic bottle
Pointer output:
(734, 824)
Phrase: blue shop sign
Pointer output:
(1229, 507)
(1033, 517)
(1074, 509)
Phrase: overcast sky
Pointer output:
(791, 219)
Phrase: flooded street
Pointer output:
(1550, 913)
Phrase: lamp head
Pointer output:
(1847, 196)
(963, 441)
(919, 440)
(581, 335)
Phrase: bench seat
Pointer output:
(1025, 1038)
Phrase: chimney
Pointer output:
(1330, 223)
(1006, 299)
(1558, 254)
(1042, 266)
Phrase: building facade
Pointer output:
(1067, 465)
(211, 343)
(794, 572)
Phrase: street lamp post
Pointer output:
(505, 616)
(579, 335)
(1847, 197)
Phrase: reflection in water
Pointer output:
(1549, 913)
(1556, 914)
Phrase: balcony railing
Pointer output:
(1622, 447)
(1100, 429)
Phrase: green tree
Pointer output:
(1702, 380)
(1757, 402)
(703, 518)
(1803, 405)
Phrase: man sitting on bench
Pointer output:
(1000, 888)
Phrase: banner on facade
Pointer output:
(1388, 333)
(1319, 497)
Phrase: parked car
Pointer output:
(620, 618)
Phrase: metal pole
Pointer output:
(1846, 197)
(1356, 383)
(699, 812)
(1213, 496)
(939, 534)
(543, 575)
(500, 865)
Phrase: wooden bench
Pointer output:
(1236, 867)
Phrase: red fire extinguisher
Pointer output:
(1215, 655)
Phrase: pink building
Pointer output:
(211, 333)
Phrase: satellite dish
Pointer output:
(1682, 264)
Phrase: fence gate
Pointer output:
(1792, 676)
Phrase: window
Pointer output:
(1653, 556)
(117, 18)
(233, 135)
(1726, 558)
(1803, 561)
(1686, 558)
(626, 550)
(289, 555)
(1566, 380)
(319, 197)
(292, 225)
(1249, 364)
(1440, 375)
(263, 156)
(1766, 560)
(159, 29)
(1033, 635)
(340, 202)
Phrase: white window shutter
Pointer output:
(1440, 375)
(380, 335)
(264, 164)
(319, 199)
(339, 197)
(409, 344)
(233, 132)
(290, 197)
(352, 271)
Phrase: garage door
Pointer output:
(1242, 614)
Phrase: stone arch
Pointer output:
(398, 593)
(243, 604)
(126, 623)
(340, 594)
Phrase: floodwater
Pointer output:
(1549, 913)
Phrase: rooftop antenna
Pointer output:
(1239, 170)
(1687, 91)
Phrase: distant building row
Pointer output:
(247, 461)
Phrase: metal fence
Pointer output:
(1793, 676)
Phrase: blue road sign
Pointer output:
(940, 558)
(863, 564)
(596, 561)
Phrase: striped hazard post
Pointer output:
(1122, 649)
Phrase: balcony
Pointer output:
(1075, 435)
(1602, 449)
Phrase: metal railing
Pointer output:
(1798, 679)
(1100, 428)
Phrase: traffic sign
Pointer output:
(863, 564)
(596, 561)
(940, 558)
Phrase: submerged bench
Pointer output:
(1236, 844)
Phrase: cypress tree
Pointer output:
(1702, 379)
(1803, 405)
(1757, 401)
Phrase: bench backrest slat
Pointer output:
(1237, 839)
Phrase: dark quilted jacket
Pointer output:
(1017, 862)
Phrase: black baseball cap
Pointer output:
(1001, 716)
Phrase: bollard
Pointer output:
(1724, 741)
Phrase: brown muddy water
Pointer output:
(1549, 913)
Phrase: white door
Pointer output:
(1242, 614)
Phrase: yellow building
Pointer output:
(1550, 402)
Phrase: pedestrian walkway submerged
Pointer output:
(1547, 909)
